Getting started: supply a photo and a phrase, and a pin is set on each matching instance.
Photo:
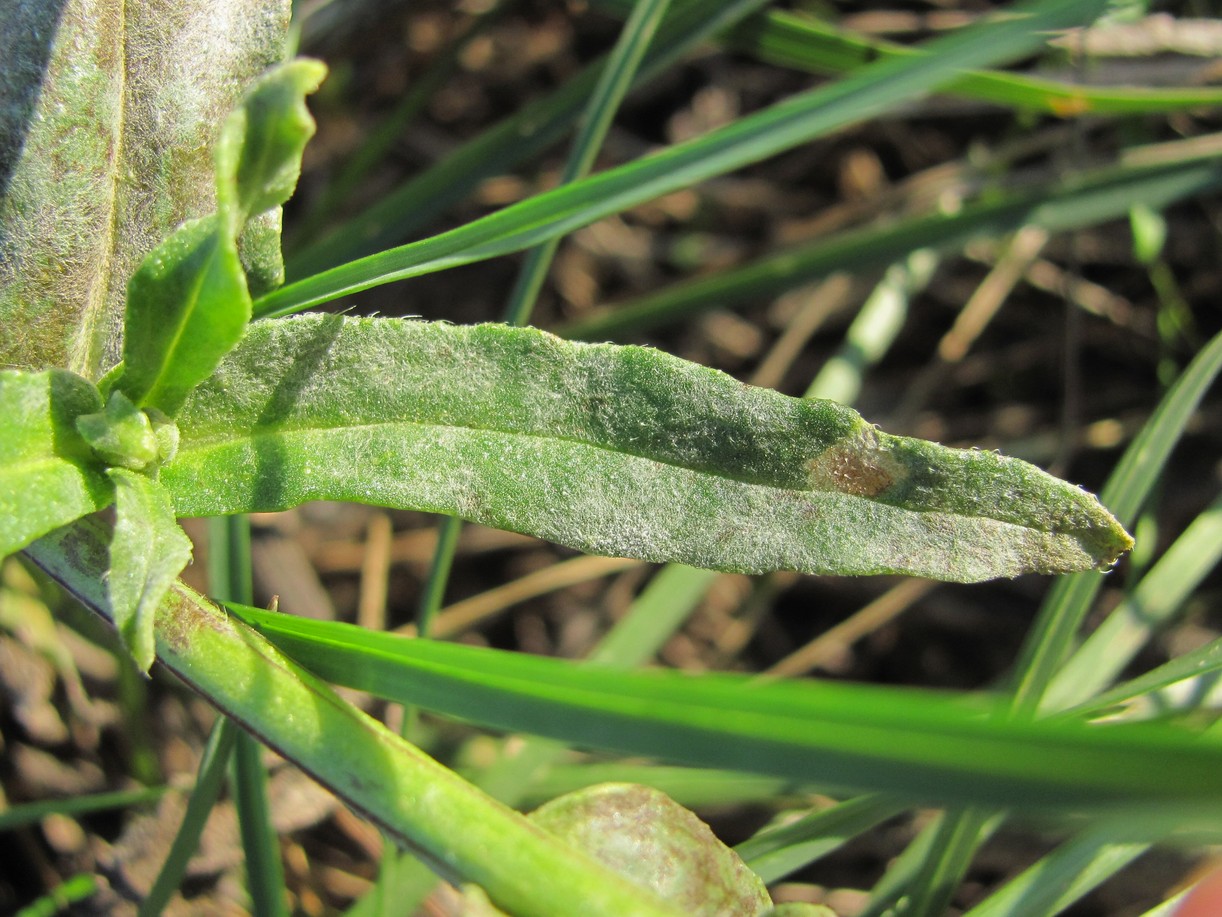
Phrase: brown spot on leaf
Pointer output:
(859, 468)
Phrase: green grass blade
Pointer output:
(506, 145)
(775, 853)
(72, 890)
(203, 797)
(593, 445)
(230, 578)
(661, 608)
(1144, 611)
(1105, 194)
(873, 331)
(613, 83)
(28, 813)
(1058, 880)
(806, 43)
(955, 840)
(1069, 600)
(925, 747)
(1195, 675)
(782, 126)
(381, 140)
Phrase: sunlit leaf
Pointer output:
(612, 450)
(147, 552)
(108, 112)
(48, 474)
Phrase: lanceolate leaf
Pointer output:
(188, 304)
(147, 552)
(186, 307)
(613, 450)
(258, 155)
(108, 111)
(48, 475)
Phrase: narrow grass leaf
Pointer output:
(804, 42)
(507, 144)
(777, 852)
(613, 82)
(1062, 877)
(926, 747)
(30, 813)
(147, 553)
(613, 450)
(209, 779)
(1053, 636)
(1187, 682)
(48, 474)
(782, 126)
(1144, 611)
(1091, 198)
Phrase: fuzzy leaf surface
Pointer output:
(188, 304)
(108, 113)
(611, 450)
(258, 155)
(147, 552)
(48, 474)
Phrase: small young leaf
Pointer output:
(612, 450)
(48, 474)
(147, 552)
(187, 306)
(120, 434)
(258, 155)
(189, 302)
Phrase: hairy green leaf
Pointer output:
(188, 304)
(120, 434)
(108, 110)
(258, 155)
(186, 308)
(644, 835)
(147, 552)
(48, 474)
(613, 450)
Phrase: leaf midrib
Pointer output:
(84, 349)
(221, 440)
